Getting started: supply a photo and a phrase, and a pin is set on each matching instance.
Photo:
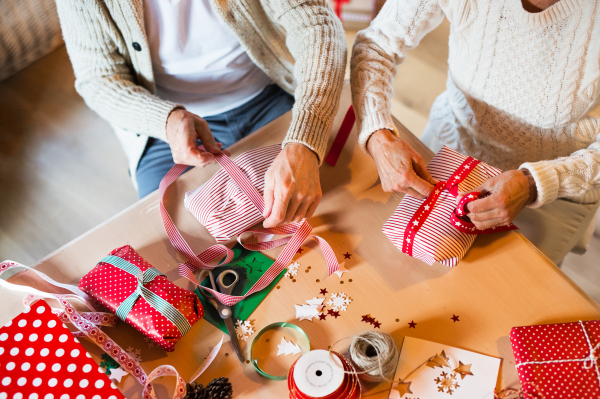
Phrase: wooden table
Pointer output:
(502, 282)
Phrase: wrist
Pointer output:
(531, 184)
(175, 115)
(379, 137)
(300, 149)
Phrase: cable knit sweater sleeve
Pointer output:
(317, 42)
(103, 78)
(569, 176)
(378, 50)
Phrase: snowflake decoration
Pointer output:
(150, 343)
(136, 354)
(339, 301)
(244, 329)
(292, 270)
(446, 382)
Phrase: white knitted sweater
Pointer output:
(523, 89)
(108, 46)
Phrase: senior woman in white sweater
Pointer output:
(171, 74)
(522, 94)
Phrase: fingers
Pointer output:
(292, 208)
(421, 170)
(268, 194)
(279, 209)
(311, 209)
(205, 135)
(482, 205)
(301, 212)
(488, 224)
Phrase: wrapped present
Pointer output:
(229, 204)
(436, 228)
(222, 206)
(42, 359)
(558, 361)
(142, 296)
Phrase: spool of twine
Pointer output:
(374, 355)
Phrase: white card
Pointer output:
(469, 375)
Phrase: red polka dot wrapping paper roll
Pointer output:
(565, 364)
(434, 236)
(111, 286)
(41, 359)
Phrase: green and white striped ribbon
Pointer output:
(158, 303)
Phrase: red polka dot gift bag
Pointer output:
(436, 229)
(558, 361)
(41, 359)
(142, 296)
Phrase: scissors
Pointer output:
(223, 310)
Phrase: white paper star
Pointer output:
(117, 374)
(342, 269)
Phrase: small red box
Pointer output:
(559, 361)
(112, 285)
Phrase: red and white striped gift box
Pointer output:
(220, 204)
(432, 229)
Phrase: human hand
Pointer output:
(400, 167)
(183, 129)
(292, 187)
(502, 198)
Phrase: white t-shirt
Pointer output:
(196, 59)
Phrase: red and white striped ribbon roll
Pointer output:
(436, 229)
(245, 176)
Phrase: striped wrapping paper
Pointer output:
(221, 206)
(438, 240)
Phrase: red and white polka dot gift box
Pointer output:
(41, 359)
(559, 361)
(142, 296)
(437, 229)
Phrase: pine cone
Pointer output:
(219, 388)
(195, 391)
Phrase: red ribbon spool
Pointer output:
(348, 389)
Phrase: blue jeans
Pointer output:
(227, 128)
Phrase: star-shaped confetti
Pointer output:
(454, 318)
(299, 251)
(323, 291)
(322, 316)
(412, 324)
(463, 369)
(117, 374)
(333, 313)
(376, 324)
(342, 269)
(347, 255)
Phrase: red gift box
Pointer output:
(40, 358)
(559, 361)
(139, 294)
(437, 229)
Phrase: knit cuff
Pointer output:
(546, 182)
(156, 113)
(372, 123)
(306, 128)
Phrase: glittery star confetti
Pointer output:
(412, 324)
(371, 320)
(323, 291)
(347, 255)
(455, 318)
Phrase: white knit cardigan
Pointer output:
(523, 89)
(117, 81)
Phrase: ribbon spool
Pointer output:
(317, 375)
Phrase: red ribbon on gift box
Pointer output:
(458, 218)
